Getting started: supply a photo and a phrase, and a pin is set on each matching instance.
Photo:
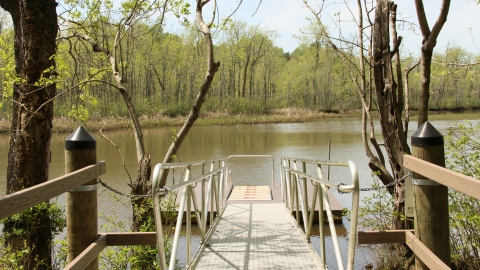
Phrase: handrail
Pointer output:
(16, 202)
(211, 198)
(294, 194)
(460, 182)
(457, 181)
(185, 164)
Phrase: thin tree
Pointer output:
(212, 68)
(388, 96)
(142, 185)
(428, 44)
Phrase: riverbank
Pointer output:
(66, 124)
(291, 115)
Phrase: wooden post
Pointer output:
(430, 198)
(82, 219)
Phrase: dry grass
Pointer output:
(289, 115)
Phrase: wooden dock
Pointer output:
(276, 197)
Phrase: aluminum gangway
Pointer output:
(254, 232)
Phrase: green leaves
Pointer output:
(81, 111)
(463, 155)
(7, 66)
(25, 225)
(181, 10)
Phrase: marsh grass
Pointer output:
(289, 115)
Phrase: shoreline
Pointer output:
(292, 115)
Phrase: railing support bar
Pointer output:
(321, 219)
(158, 215)
(354, 215)
(204, 213)
(308, 231)
(305, 198)
(189, 218)
(198, 215)
(301, 197)
(178, 228)
(221, 192)
(333, 231)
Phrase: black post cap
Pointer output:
(427, 135)
(80, 139)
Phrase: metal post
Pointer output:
(203, 209)
(221, 191)
(331, 223)
(312, 213)
(296, 191)
(430, 198)
(273, 172)
(291, 186)
(329, 151)
(305, 197)
(81, 205)
(189, 218)
(212, 192)
(321, 218)
(158, 215)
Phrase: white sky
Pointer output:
(287, 17)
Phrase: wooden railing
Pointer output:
(457, 181)
(111, 239)
(14, 203)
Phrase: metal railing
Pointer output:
(215, 187)
(295, 196)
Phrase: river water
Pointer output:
(306, 140)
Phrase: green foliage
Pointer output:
(463, 155)
(81, 112)
(181, 10)
(138, 257)
(180, 109)
(25, 224)
(463, 152)
(10, 259)
(377, 214)
(23, 221)
(8, 77)
(165, 70)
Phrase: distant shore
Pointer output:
(292, 115)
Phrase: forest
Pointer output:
(162, 70)
(84, 59)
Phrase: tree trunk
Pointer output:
(426, 70)
(35, 25)
(428, 43)
(142, 209)
(200, 99)
(385, 88)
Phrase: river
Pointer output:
(307, 140)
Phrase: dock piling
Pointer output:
(430, 198)
(81, 205)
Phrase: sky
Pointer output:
(287, 17)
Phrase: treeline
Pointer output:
(163, 72)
